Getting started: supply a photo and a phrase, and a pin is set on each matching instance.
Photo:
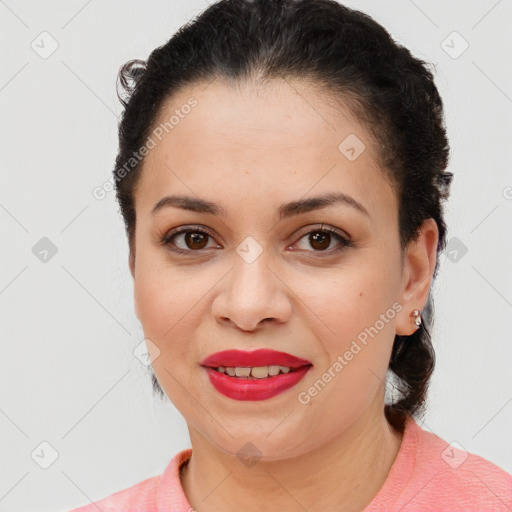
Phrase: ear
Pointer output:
(419, 264)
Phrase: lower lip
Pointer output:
(254, 389)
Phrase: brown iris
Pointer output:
(196, 240)
(323, 239)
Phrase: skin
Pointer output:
(249, 149)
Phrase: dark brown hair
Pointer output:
(354, 59)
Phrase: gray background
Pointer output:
(68, 374)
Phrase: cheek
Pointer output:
(165, 301)
(346, 300)
(360, 331)
(172, 303)
(354, 320)
(169, 310)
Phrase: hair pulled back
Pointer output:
(354, 59)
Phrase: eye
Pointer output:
(191, 239)
(321, 238)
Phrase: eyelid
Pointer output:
(344, 238)
(196, 228)
(324, 228)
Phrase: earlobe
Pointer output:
(419, 263)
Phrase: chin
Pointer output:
(266, 444)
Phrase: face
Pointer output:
(256, 274)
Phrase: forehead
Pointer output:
(277, 139)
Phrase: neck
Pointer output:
(342, 475)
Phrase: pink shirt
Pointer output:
(427, 475)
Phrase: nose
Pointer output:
(252, 294)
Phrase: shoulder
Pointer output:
(140, 496)
(449, 475)
(156, 493)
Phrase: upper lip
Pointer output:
(260, 357)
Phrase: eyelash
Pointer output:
(166, 240)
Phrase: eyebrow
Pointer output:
(285, 210)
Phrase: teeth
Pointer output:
(257, 372)
(274, 370)
(242, 372)
(260, 372)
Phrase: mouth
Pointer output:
(254, 375)
(255, 372)
(261, 358)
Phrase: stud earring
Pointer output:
(416, 315)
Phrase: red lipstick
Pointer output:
(250, 387)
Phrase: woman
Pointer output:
(281, 174)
